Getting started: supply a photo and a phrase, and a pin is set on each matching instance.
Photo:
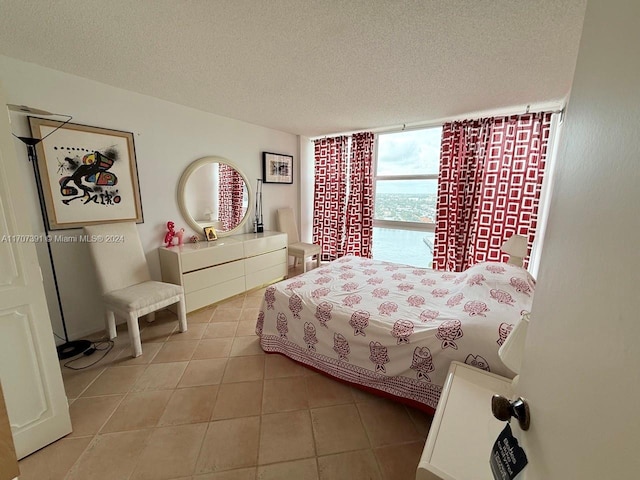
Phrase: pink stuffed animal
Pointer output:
(168, 238)
(180, 234)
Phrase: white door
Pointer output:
(581, 366)
(29, 368)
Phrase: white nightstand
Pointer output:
(463, 429)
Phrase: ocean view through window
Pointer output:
(406, 187)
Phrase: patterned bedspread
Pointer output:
(395, 328)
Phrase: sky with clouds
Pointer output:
(413, 152)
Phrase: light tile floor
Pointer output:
(208, 404)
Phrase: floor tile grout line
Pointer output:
(413, 420)
(366, 431)
(104, 369)
(269, 464)
(313, 429)
(95, 435)
(313, 435)
(91, 442)
(204, 437)
(137, 462)
(264, 371)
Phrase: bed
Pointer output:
(394, 329)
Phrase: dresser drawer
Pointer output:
(260, 262)
(207, 296)
(268, 275)
(257, 246)
(208, 277)
(212, 255)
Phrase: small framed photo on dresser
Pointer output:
(210, 234)
(277, 168)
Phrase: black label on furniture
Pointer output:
(507, 457)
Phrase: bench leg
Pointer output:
(182, 315)
(134, 334)
(110, 320)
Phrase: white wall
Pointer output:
(581, 370)
(167, 138)
(307, 184)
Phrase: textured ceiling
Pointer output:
(310, 68)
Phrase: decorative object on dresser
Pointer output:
(213, 192)
(123, 275)
(172, 234)
(210, 234)
(218, 270)
(89, 174)
(277, 168)
(258, 225)
(180, 236)
(297, 249)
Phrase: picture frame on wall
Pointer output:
(277, 168)
(210, 234)
(88, 175)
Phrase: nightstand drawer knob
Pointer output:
(503, 409)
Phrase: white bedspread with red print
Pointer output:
(395, 328)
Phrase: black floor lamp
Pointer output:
(69, 348)
(258, 224)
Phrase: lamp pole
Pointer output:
(69, 348)
(259, 223)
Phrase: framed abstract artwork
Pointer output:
(88, 175)
(277, 168)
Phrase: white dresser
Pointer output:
(213, 271)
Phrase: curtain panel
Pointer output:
(230, 193)
(491, 173)
(359, 218)
(329, 197)
(343, 195)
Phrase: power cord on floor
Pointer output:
(104, 346)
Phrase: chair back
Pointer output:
(287, 224)
(117, 255)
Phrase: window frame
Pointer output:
(398, 224)
(425, 227)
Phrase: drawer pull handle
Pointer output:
(503, 409)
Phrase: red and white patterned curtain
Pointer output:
(359, 218)
(230, 194)
(343, 196)
(329, 198)
(491, 173)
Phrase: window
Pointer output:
(406, 190)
